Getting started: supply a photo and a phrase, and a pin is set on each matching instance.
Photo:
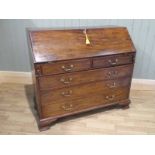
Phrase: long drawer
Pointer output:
(71, 79)
(80, 91)
(66, 107)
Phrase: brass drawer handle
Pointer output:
(66, 81)
(110, 97)
(67, 107)
(68, 68)
(113, 85)
(113, 62)
(112, 74)
(68, 93)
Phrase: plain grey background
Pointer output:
(14, 49)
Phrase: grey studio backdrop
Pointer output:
(14, 55)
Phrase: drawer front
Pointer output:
(75, 92)
(114, 60)
(65, 66)
(71, 79)
(67, 107)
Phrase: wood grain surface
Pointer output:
(54, 45)
(84, 90)
(71, 79)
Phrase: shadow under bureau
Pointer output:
(79, 70)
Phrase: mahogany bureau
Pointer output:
(79, 70)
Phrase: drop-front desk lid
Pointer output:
(54, 45)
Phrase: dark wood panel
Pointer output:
(64, 107)
(65, 66)
(71, 79)
(54, 45)
(80, 91)
(113, 60)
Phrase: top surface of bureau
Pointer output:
(57, 45)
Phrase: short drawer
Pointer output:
(71, 79)
(108, 61)
(60, 108)
(75, 92)
(65, 66)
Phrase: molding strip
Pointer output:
(143, 84)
